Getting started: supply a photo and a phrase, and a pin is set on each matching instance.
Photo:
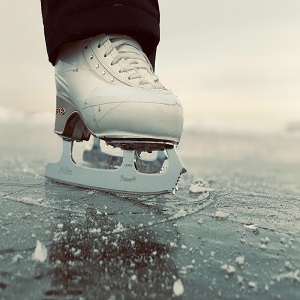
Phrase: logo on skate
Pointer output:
(60, 111)
(65, 170)
(127, 179)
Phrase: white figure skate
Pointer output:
(106, 87)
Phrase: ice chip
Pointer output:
(40, 252)
(60, 226)
(263, 246)
(221, 214)
(180, 213)
(16, 258)
(133, 277)
(293, 276)
(240, 260)
(252, 284)
(252, 227)
(230, 270)
(119, 228)
(288, 265)
(265, 241)
(196, 189)
(240, 279)
(178, 288)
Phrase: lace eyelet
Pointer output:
(98, 45)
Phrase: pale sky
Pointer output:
(226, 59)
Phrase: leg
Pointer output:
(106, 87)
(68, 21)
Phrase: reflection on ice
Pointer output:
(102, 156)
(89, 256)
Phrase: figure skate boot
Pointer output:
(106, 87)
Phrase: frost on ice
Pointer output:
(197, 189)
(252, 227)
(60, 226)
(240, 260)
(221, 214)
(200, 189)
(293, 276)
(265, 240)
(178, 288)
(230, 270)
(288, 265)
(252, 284)
(40, 252)
(16, 258)
(119, 228)
(181, 213)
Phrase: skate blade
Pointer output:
(125, 179)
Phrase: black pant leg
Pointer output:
(71, 20)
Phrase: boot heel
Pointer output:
(68, 122)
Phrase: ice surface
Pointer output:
(254, 185)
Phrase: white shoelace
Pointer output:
(136, 60)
